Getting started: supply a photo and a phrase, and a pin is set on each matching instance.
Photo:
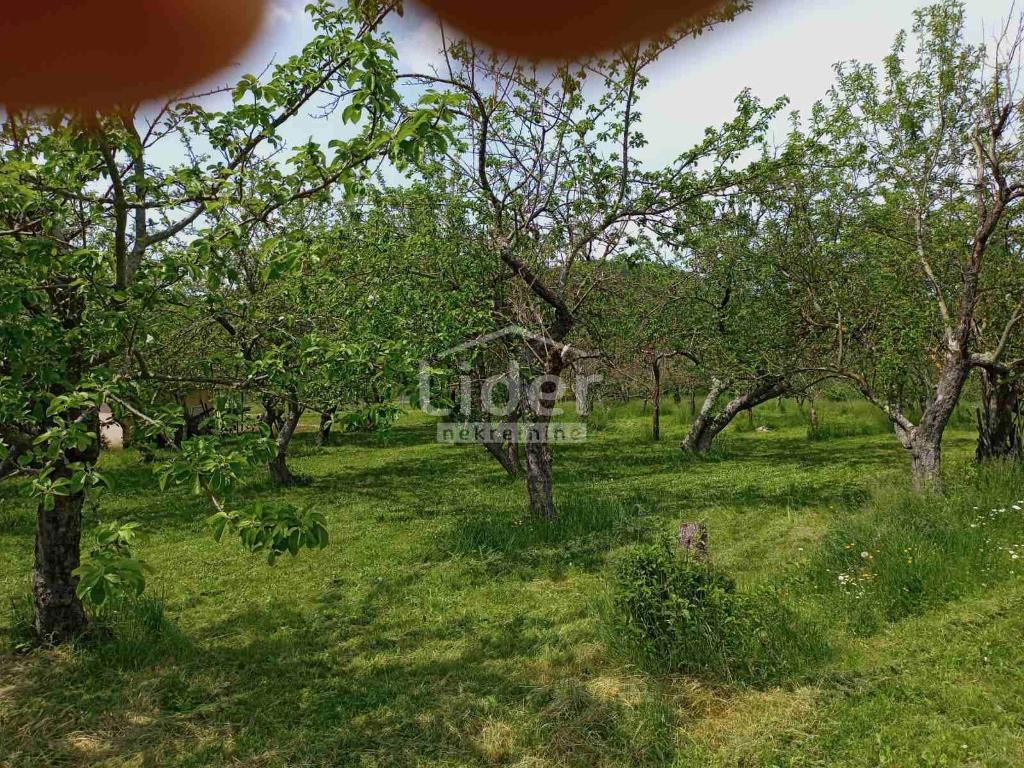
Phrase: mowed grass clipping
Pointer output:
(444, 627)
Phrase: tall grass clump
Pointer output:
(586, 530)
(133, 631)
(129, 632)
(847, 419)
(19, 634)
(908, 552)
(680, 615)
(599, 418)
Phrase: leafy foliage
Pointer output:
(107, 240)
(275, 529)
(686, 616)
(111, 571)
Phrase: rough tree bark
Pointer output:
(1001, 418)
(323, 435)
(539, 478)
(507, 453)
(656, 399)
(280, 473)
(924, 440)
(59, 614)
(692, 540)
(514, 458)
(709, 424)
(697, 440)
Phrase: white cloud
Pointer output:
(782, 47)
(284, 13)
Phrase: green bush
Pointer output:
(684, 616)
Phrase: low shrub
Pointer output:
(682, 615)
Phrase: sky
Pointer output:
(781, 47)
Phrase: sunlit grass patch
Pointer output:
(910, 552)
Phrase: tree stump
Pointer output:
(693, 539)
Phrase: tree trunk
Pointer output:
(271, 416)
(1001, 418)
(924, 441)
(506, 454)
(699, 438)
(656, 400)
(814, 417)
(708, 425)
(539, 479)
(280, 474)
(926, 463)
(513, 459)
(323, 435)
(59, 615)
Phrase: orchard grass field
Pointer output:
(443, 627)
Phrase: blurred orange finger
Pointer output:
(562, 29)
(98, 53)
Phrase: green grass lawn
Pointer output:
(443, 627)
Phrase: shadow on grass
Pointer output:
(344, 685)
